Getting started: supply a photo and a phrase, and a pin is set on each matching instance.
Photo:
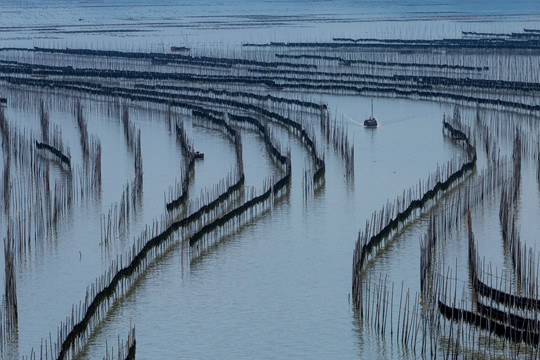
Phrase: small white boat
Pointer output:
(371, 122)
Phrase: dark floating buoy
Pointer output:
(198, 155)
(180, 48)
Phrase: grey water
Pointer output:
(279, 287)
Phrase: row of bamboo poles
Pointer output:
(198, 104)
(133, 141)
(199, 227)
(35, 200)
(163, 97)
(34, 203)
(180, 100)
(178, 193)
(152, 242)
(125, 350)
(510, 317)
(40, 202)
(523, 259)
(418, 322)
(304, 131)
(115, 222)
(415, 86)
(256, 203)
(336, 134)
(52, 142)
(497, 316)
(313, 56)
(434, 283)
(425, 326)
(10, 291)
(386, 221)
(91, 151)
(374, 78)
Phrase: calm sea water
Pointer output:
(279, 287)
